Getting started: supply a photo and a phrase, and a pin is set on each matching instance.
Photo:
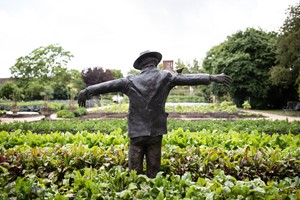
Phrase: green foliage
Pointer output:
(76, 80)
(185, 99)
(133, 72)
(72, 126)
(224, 106)
(44, 67)
(221, 165)
(71, 113)
(247, 57)
(3, 112)
(200, 159)
(287, 72)
(189, 68)
(10, 90)
(80, 111)
(117, 73)
(42, 63)
(34, 90)
(65, 114)
(109, 125)
(246, 105)
(180, 64)
(47, 92)
(194, 68)
(34, 106)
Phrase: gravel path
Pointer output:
(273, 116)
(23, 119)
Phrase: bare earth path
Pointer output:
(273, 116)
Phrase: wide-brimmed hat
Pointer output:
(145, 54)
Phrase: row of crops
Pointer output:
(245, 159)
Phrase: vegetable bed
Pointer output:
(200, 160)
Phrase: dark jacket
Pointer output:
(148, 92)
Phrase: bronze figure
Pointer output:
(147, 119)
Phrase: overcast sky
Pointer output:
(112, 33)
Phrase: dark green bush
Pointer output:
(2, 112)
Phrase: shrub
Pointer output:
(65, 114)
(228, 106)
(2, 112)
(246, 105)
(80, 111)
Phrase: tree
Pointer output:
(34, 89)
(287, 72)
(47, 92)
(195, 68)
(96, 75)
(42, 67)
(42, 63)
(247, 57)
(10, 90)
(180, 64)
(133, 72)
(76, 79)
(117, 73)
(76, 83)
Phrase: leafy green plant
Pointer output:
(65, 114)
(3, 112)
(246, 105)
(72, 159)
(195, 164)
(109, 125)
(201, 108)
(79, 111)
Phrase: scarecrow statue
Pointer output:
(147, 119)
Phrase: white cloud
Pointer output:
(112, 33)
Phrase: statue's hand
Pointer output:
(82, 97)
(221, 78)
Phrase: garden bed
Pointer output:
(188, 115)
(195, 164)
(20, 115)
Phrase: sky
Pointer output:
(112, 33)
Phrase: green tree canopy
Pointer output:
(10, 90)
(133, 72)
(45, 67)
(42, 63)
(117, 73)
(287, 72)
(194, 68)
(247, 57)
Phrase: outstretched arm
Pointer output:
(200, 79)
(118, 85)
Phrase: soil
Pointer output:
(19, 115)
(192, 115)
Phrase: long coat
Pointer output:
(148, 92)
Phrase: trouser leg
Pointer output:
(153, 156)
(136, 155)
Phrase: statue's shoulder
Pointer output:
(129, 76)
(167, 73)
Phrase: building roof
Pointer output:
(3, 80)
